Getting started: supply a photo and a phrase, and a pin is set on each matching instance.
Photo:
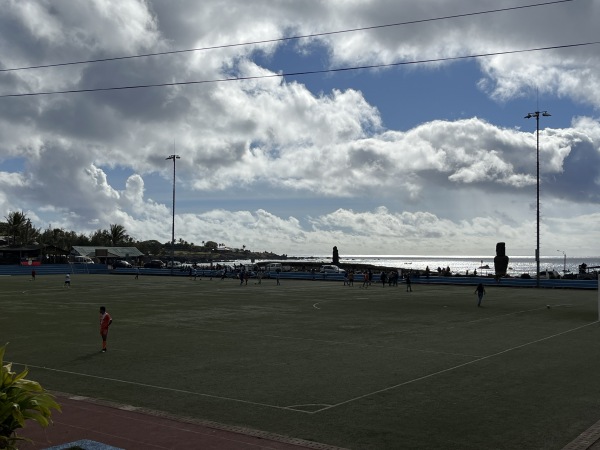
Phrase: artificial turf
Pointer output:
(359, 368)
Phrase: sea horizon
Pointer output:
(458, 264)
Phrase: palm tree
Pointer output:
(117, 234)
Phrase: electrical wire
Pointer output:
(303, 73)
(290, 38)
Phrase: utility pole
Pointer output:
(173, 157)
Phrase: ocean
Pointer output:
(458, 264)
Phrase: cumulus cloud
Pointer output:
(443, 184)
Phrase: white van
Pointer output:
(174, 264)
(273, 267)
(328, 268)
(82, 260)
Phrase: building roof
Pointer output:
(113, 252)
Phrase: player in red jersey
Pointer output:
(105, 322)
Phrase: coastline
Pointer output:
(458, 265)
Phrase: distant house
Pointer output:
(16, 255)
(106, 255)
(31, 254)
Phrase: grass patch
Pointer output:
(360, 368)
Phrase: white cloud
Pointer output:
(442, 185)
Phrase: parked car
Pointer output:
(155, 264)
(549, 275)
(122, 263)
(331, 269)
(174, 264)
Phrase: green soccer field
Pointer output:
(360, 368)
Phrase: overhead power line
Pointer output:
(290, 38)
(303, 73)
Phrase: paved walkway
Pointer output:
(139, 429)
(125, 427)
(588, 440)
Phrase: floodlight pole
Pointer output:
(537, 114)
(173, 157)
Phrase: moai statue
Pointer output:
(336, 256)
(500, 260)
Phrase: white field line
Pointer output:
(449, 369)
(291, 408)
(508, 314)
(162, 388)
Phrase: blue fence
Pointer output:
(358, 278)
(54, 269)
(58, 269)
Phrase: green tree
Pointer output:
(101, 238)
(29, 233)
(149, 247)
(118, 234)
(211, 245)
(78, 239)
(15, 224)
(52, 236)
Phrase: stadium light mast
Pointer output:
(173, 157)
(537, 115)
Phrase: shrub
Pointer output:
(20, 400)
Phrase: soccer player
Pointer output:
(105, 322)
(67, 281)
(479, 290)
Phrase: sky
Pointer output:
(289, 144)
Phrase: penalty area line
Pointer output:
(163, 388)
(450, 369)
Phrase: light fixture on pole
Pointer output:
(564, 261)
(173, 157)
(537, 114)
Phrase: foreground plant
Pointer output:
(20, 400)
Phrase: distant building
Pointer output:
(31, 254)
(106, 255)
